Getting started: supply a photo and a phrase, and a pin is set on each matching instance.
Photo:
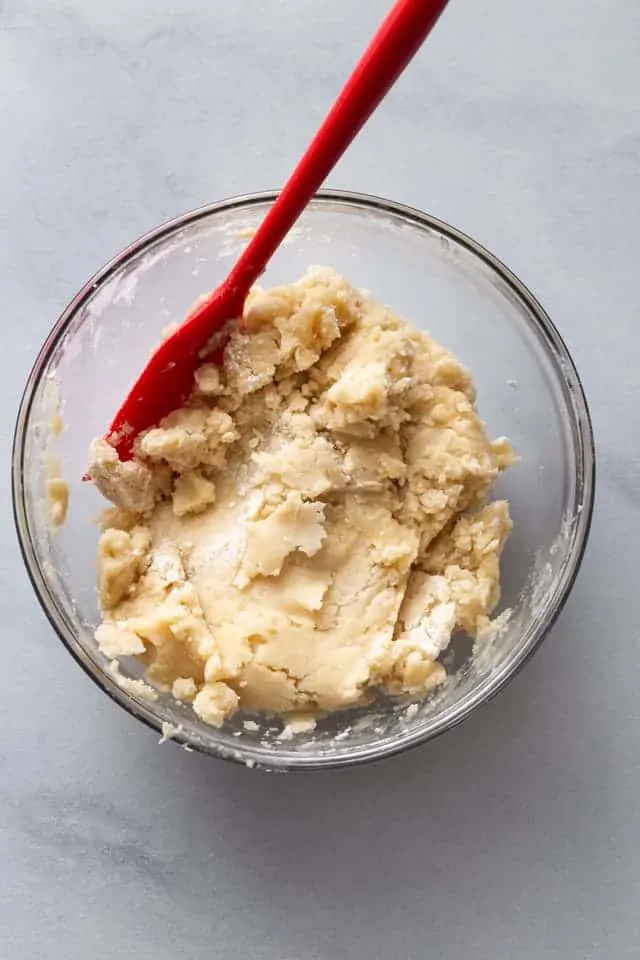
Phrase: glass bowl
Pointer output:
(427, 271)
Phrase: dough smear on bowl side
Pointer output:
(313, 525)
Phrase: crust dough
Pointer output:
(313, 524)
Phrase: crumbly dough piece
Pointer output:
(57, 487)
(58, 497)
(312, 525)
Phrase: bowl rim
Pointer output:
(584, 452)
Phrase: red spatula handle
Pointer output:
(167, 380)
(398, 39)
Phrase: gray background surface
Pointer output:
(517, 835)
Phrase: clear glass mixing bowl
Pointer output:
(435, 276)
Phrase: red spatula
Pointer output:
(167, 380)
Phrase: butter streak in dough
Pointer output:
(313, 525)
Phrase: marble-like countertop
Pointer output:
(515, 836)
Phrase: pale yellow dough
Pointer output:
(313, 526)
